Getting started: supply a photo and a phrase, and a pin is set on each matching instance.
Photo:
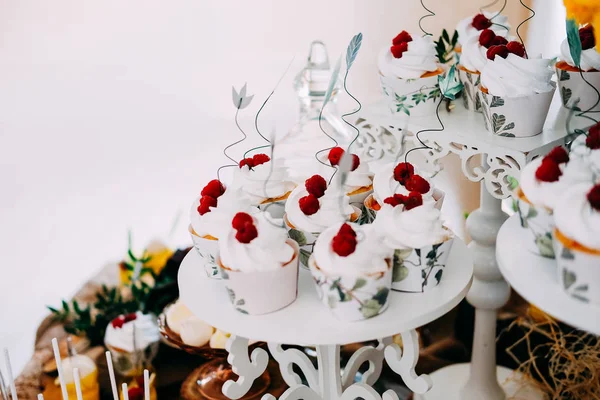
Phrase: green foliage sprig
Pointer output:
(445, 45)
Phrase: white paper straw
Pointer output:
(111, 373)
(146, 385)
(59, 368)
(40, 396)
(125, 392)
(77, 384)
(3, 387)
(11, 380)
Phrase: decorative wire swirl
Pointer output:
(270, 204)
(431, 14)
(237, 111)
(498, 14)
(347, 115)
(523, 22)
(329, 136)
(589, 110)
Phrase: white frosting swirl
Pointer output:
(592, 157)
(215, 222)
(265, 181)
(419, 59)
(334, 208)
(466, 30)
(474, 55)
(359, 178)
(146, 333)
(411, 229)
(369, 256)
(384, 185)
(590, 58)
(547, 194)
(268, 251)
(576, 219)
(515, 76)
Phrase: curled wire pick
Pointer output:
(431, 14)
(522, 23)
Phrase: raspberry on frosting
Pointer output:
(256, 160)
(586, 36)
(593, 197)
(205, 203)
(486, 38)
(316, 185)
(247, 161)
(122, 319)
(548, 171)
(500, 50)
(414, 199)
(417, 183)
(135, 393)
(344, 243)
(399, 49)
(403, 171)
(309, 204)
(516, 48)
(481, 22)
(355, 162)
(593, 139)
(243, 223)
(240, 219)
(393, 201)
(335, 155)
(499, 40)
(402, 37)
(559, 155)
(213, 188)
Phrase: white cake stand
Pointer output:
(490, 160)
(308, 322)
(534, 277)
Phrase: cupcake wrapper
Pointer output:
(537, 223)
(420, 270)
(263, 292)
(573, 88)
(515, 116)
(352, 298)
(471, 83)
(208, 250)
(124, 362)
(578, 273)
(414, 97)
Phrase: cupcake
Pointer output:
(210, 215)
(259, 264)
(191, 329)
(542, 182)
(400, 178)
(352, 271)
(265, 182)
(472, 61)
(359, 180)
(472, 26)
(314, 207)
(515, 91)
(587, 147)
(88, 377)
(421, 242)
(577, 242)
(408, 71)
(130, 356)
(572, 78)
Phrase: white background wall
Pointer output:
(111, 111)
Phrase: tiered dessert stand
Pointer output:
(307, 322)
(490, 160)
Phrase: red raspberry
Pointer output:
(335, 155)
(246, 233)
(486, 37)
(247, 161)
(516, 48)
(309, 204)
(417, 183)
(346, 229)
(593, 139)
(403, 171)
(586, 36)
(559, 155)
(413, 200)
(130, 317)
(501, 50)
(355, 162)
(316, 185)
(205, 203)
(392, 201)
(499, 40)
(402, 37)
(548, 171)
(213, 188)
(240, 219)
(135, 393)
(593, 197)
(398, 49)
(118, 322)
(481, 22)
(259, 159)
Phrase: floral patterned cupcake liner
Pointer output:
(471, 82)
(353, 297)
(128, 363)
(417, 97)
(572, 87)
(420, 270)
(262, 292)
(578, 269)
(537, 222)
(208, 249)
(515, 116)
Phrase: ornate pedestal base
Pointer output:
(448, 381)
